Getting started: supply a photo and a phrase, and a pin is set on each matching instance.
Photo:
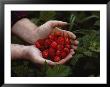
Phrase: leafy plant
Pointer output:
(58, 71)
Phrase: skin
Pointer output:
(29, 32)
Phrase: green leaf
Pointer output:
(90, 17)
(72, 19)
(75, 59)
(43, 70)
(97, 23)
(94, 46)
(87, 53)
(58, 71)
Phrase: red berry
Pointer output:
(68, 46)
(54, 44)
(51, 52)
(58, 53)
(57, 33)
(51, 37)
(56, 58)
(60, 40)
(45, 53)
(63, 54)
(41, 41)
(47, 42)
(67, 41)
(60, 47)
(37, 44)
(66, 50)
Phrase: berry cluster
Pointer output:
(55, 47)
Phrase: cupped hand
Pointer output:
(34, 54)
(51, 26)
(44, 30)
(74, 45)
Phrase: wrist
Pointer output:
(24, 28)
(18, 51)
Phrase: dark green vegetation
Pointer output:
(86, 61)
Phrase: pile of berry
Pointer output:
(55, 47)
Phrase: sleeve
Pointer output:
(17, 15)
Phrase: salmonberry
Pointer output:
(68, 46)
(60, 40)
(60, 47)
(51, 53)
(37, 44)
(58, 53)
(45, 53)
(66, 50)
(67, 41)
(54, 45)
(51, 36)
(47, 42)
(56, 58)
(63, 54)
(57, 33)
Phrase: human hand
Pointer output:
(52, 26)
(44, 30)
(34, 55)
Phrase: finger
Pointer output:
(68, 33)
(59, 30)
(72, 36)
(57, 23)
(50, 62)
(74, 47)
(75, 42)
(41, 60)
(65, 33)
(72, 51)
(67, 58)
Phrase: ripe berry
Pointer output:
(58, 53)
(67, 41)
(54, 44)
(37, 44)
(51, 53)
(60, 40)
(45, 53)
(57, 33)
(63, 54)
(41, 41)
(60, 47)
(68, 46)
(66, 50)
(56, 58)
(47, 42)
(52, 37)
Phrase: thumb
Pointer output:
(55, 23)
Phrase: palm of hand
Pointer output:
(35, 56)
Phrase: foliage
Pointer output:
(86, 61)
